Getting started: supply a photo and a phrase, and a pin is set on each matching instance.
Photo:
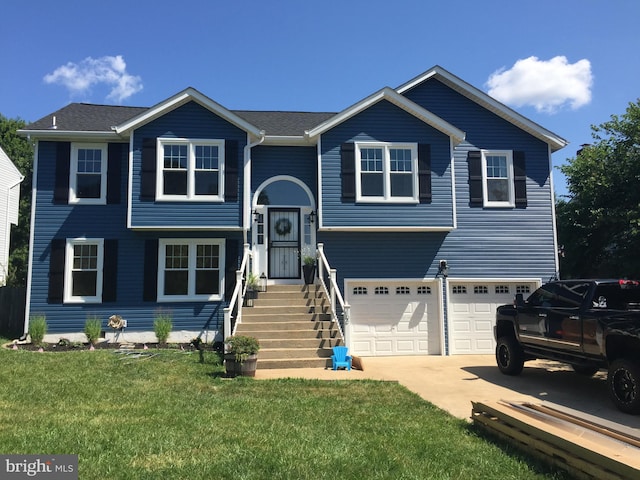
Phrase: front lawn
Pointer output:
(171, 417)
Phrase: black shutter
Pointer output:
(56, 270)
(231, 266)
(110, 271)
(424, 172)
(474, 159)
(348, 171)
(520, 179)
(231, 171)
(114, 172)
(148, 170)
(63, 162)
(150, 284)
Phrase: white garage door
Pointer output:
(394, 318)
(472, 313)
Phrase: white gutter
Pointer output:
(246, 194)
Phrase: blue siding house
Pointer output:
(430, 203)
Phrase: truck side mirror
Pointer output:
(519, 300)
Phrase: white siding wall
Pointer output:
(9, 202)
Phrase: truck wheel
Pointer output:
(509, 356)
(586, 370)
(623, 382)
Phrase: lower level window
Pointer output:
(190, 269)
(83, 270)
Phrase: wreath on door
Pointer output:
(283, 226)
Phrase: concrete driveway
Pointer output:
(453, 382)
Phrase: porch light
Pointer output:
(312, 216)
(263, 282)
(256, 215)
(443, 269)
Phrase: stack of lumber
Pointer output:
(584, 445)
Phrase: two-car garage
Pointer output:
(411, 317)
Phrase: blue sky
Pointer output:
(565, 64)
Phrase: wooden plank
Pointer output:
(607, 453)
(545, 451)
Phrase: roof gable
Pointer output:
(400, 101)
(179, 99)
(554, 141)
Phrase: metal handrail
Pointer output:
(332, 291)
(238, 294)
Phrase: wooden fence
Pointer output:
(12, 307)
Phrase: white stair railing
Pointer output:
(237, 299)
(332, 290)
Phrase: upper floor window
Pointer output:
(83, 270)
(386, 172)
(190, 169)
(497, 167)
(88, 174)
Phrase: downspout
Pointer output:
(246, 220)
(34, 194)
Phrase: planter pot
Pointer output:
(242, 369)
(309, 272)
(249, 297)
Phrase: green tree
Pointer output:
(20, 152)
(599, 224)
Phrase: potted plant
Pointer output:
(308, 266)
(253, 287)
(241, 356)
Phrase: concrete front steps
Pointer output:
(293, 326)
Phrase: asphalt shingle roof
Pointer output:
(86, 117)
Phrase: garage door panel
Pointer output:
(472, 307)
(405, 323)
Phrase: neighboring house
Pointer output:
(140, 209)
(10, 179)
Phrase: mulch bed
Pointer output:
(69, 346)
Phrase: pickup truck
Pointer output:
(590, 324)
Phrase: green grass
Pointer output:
(172, 417)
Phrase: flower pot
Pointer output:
(309, 273)
(246, 368)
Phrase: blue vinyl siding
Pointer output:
(73, 221)
(488, 242)
(298, 162)
(188, 121)
(385, 122)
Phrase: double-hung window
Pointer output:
(88, 174)
(84, 270)
(190, 169)
(386, 172)
(497, 168)
(190, 269)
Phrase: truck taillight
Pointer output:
(628, 283)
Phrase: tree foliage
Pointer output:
(599, 224)
(20, 152)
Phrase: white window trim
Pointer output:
(73, 174)
(485, 187)
(191, 242)
(68, 270)
(386, 172)
(191, 144)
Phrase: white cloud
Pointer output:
(546, 85)
(78, 78)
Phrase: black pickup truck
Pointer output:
(590, 324)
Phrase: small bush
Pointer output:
(162, 325)
(37, 328)
(242, 346)
(93, 329)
